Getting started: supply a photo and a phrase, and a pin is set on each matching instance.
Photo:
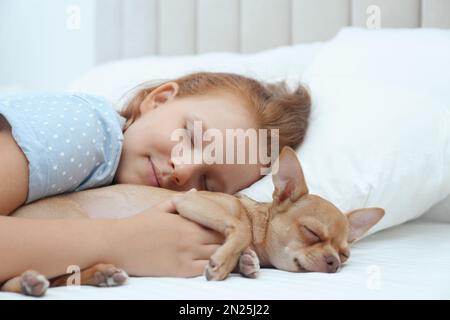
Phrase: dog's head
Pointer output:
(305, 231)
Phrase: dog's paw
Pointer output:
(33, 284)
(217, 270)
(249, 264)
(108, 275)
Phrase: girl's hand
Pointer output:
(157, 242)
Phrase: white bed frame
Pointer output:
(132, 28)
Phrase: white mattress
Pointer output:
(411, 261)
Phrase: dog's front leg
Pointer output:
(229, 220)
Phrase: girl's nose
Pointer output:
(177, 175)
(182, 174)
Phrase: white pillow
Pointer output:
(380, 126)
(113, 79)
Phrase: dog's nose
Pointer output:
(332, 264)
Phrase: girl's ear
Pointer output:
(159, 96)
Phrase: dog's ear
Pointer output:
(287, 177)
(361, 220)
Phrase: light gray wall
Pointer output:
(40, 46)
(39, 51)
(133, 28)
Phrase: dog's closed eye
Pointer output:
(310, 235)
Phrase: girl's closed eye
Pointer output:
(189, 127)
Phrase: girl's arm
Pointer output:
(152, 243)
(49, 246)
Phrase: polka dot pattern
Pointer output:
(72, 141)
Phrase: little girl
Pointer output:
(55, 143)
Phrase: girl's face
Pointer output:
(147, 145)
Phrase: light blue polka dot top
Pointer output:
(72, 141)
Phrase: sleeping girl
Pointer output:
(67, 142)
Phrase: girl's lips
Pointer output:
(152, 174)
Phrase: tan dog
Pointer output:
(297, 232)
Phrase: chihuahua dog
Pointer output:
(296, 232)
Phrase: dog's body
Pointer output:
(296, 232)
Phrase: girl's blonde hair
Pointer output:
(274, 105)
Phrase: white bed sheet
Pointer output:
(410, 261)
